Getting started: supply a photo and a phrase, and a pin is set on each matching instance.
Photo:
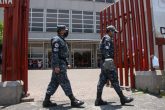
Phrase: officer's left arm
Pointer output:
(55, 53)
(67, 61)
(106, 48)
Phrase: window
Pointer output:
(82, 21)
(100, 0)
(106, 1)
(36, 20)
(36, 51)
(51, 20)
(63, 17)
(110, 1)
(77, 21)
(88, 24)
(56, 17)
(97, 22)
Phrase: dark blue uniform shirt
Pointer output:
(107, 47)
(60, 52)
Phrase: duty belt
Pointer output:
(108, 59)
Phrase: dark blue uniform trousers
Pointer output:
(112, 76)
(59, 79)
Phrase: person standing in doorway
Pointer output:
(59, 65)
(108, 69)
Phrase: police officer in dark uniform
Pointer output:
(108, 69)
(60, 54)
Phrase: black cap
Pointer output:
(60, 27)
(111, 28)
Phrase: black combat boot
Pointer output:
(99, 100)
(124, 99)
(75, 102)
(47, 102)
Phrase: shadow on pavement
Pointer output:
(65, 106)
(113, 107)
(146, 92)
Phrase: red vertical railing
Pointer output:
(144, 36)
(15, 47)
(150, 31)
(160, 42)
(130, 44)
(15, 43)
(135, 52)
(101, 24)
(4, 56)
(109, 15)
(113, 23)
(124, 42)
(25, 41)
(135, 33)
(119, 55)
(161, 57)
(105, 20)
(140, 56)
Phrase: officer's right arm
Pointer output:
(55, 53)
(106, 47)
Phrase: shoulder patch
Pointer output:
(106, 47)
(55, 39)
(56, 45)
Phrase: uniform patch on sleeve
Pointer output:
(106, 47)
(55, 50)
(56, 45)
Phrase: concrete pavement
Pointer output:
(84, 82)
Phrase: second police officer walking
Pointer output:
(108, 69)
(60, 54)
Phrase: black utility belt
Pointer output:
(108, 59)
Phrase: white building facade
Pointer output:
(80, 16)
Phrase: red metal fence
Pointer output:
(134, 44)
(15, 41)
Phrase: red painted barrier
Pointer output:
(134, 44)
(15, 43)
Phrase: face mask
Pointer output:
(113, 33)
(66, 34)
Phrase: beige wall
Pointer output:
(68, 4)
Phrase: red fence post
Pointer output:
(25, 44)
(140, 57)
(105, 20)
(119, 44)
(124, 43)
(101, 24)
(15, 43)
(130, 45)
(160, 42)
(113, 14)
(15, 40)
(144, 36)
(4, 45)
(113, 23)
(135, 57)
(150, 32)
(7, 44)
(160, 49)
(109, 15)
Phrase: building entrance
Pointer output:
(82, 59)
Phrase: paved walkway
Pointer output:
(83, 83)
